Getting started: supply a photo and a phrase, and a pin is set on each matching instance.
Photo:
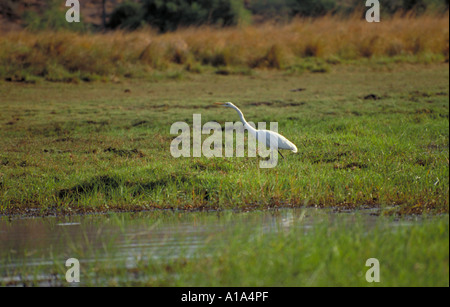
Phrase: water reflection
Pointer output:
(131, 238)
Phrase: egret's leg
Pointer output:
(280, 154)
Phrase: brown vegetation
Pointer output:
(64, 55)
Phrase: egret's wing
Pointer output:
(277, 140)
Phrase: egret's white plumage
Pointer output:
(265, 136)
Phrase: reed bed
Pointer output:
(66, 56)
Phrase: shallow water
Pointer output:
(31, 245)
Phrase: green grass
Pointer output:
(331, 254)
(370, 135)
(240, 249)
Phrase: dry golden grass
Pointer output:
(67, 55)
(350, 38)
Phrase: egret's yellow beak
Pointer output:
(219, 103)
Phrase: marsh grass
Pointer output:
(332, 253)
(286, 248)
(73, 57)
(372, 136)
(327, 254)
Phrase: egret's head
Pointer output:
(225, 104)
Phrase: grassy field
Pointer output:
(369, 135)
(333, 253)
(85, 128)
(282, 248)
(323, 42)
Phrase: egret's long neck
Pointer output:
(246, 125)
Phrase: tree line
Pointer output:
(168, 15)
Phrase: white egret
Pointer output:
(265, 136)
